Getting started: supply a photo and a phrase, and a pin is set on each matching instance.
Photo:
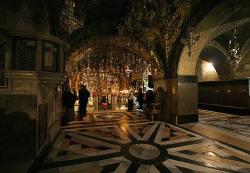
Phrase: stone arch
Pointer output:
(137, 83)
(98, 43)
(183, 87)
(19, 116)
(18, 133)
(210, 26)
(219, 47)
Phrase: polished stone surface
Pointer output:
(138, 145)
(187, 98)
(110, 116)
(144, 151)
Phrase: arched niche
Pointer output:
(17, 136)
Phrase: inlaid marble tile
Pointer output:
(123, 167)
(142, 146)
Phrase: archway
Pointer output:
(184, 86)
(97, 63)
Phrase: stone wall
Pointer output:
(243, 69)
(206, 71)
(31, 101)
(24, 15)
(27, 97)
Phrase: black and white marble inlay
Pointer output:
(236, 124)
(136, 147)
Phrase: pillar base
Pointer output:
(182, 119)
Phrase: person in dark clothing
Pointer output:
(149, 98)
(149, 102)
(83, 100)
(69, 100)
(140, 97)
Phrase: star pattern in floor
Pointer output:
(141, 147)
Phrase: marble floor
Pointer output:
(229, 123)
(121, 142)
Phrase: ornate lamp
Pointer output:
(234, 50)
(67, 19)
(190, 40)
(150, 20)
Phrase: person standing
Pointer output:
(131, 98)
(140, 98)
(83, 99)
(70, 98)
(149, 102)
(150, 97)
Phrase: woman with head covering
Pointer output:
(70, 98)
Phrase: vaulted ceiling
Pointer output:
(101, 18)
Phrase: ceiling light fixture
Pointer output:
(149, 21)
(190, 38)
(67, 19)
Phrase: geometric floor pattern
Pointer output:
(141, 147)
(239, 125)
(104, 118)
(117, 116)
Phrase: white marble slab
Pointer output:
(123, 167)
(187, 147)
(232, 149)
(194, 167)
(110, 161)
(224, 132)
(151, 131)
(160, 133)
(171, 167)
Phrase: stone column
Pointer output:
(187, 99)
(172, 100)
(182, 102)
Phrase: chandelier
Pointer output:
(110, 61)
(234, 50)
(190, 40)
(151, 20)
(102, 62)
(67, 19)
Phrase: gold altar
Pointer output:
(110, 97)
